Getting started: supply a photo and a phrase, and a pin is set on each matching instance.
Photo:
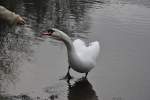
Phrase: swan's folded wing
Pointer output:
(79, 45)
(93, 50)
(90, 52)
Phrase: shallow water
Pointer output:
(32, 66)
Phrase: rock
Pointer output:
(10, 17)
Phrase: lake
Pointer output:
(31, 66)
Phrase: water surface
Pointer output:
(31, 65)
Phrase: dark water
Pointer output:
(31, 65)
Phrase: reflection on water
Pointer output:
(82, 89)
(145, 3)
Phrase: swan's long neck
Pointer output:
(67, 40)
(68, 43)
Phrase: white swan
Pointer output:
(81, 58)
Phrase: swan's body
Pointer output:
(81, 58)
(84, 57)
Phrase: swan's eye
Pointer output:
(50, 31)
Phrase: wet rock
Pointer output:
(21, 97)
(10, 17)
(53, 97)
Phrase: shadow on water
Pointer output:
(82, 89)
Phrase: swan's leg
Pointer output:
(86, 75)
(68, 70)
(68, 76)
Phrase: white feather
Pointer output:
(88, 52)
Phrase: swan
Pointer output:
(81, 58)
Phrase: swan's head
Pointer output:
(55, 34)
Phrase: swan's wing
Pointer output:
(93, 49)
(79, 45)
